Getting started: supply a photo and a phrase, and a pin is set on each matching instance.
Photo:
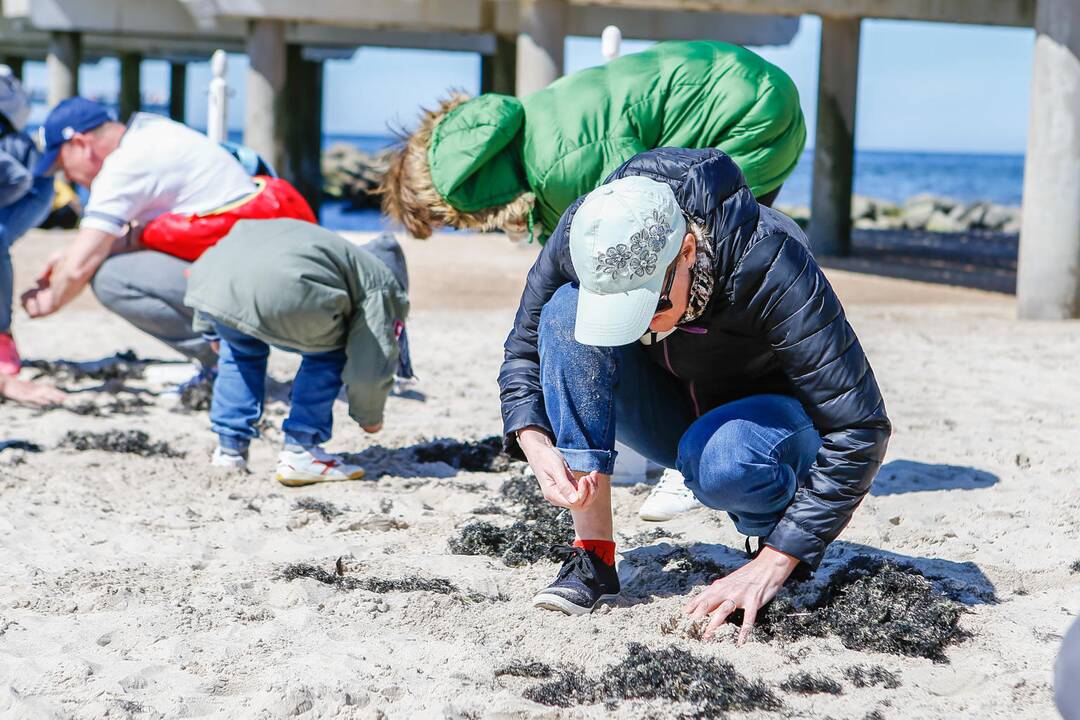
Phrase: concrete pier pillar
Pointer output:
(178, 91)
(541, 38)
(498, 72)
(65, 54)
(264, 104)
(303, 126)
(130, 85)
(834, 143)
(1048, 276)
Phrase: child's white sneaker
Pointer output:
(668, 499)
(229, 461)
(314, 465)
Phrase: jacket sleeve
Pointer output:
(372, 355)
(780, 286)
(15, 179)
(519, 379)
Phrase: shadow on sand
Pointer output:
(907, 476)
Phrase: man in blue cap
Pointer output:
(145, 174)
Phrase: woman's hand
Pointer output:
(749, 588)
(26, 392)
(555, 478)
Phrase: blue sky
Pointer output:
(922, 86)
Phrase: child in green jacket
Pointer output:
(299, 287)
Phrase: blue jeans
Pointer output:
(16, 220)
(240, 389)
(746, 457)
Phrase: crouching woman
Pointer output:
(673, 312)
(300, 288)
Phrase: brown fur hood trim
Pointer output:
(410, 198)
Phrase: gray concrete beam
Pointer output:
(540, 44)
(302, 165)
(178, 91)
(1016, 13)
(130, 85)
(1048, 276)
(834, 144)
(65, 54)
(498, 71)
(264, 101)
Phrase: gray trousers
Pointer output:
(147, 289)
(1067, 681)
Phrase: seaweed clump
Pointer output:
(131, 442)
(537, 535)
(480, 456)
(326, 509)
(711, 687)
(196, 396)
(876, 605)
(1075, 567)
(806, 683)
(525, 668)
(121, 366)
(869, 675)
(381, 586)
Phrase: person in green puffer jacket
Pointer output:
(495, 162)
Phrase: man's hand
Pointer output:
(39, 302)
(749, 587)
(557, 482)
(67, 273)
(25, 392)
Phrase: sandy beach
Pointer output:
(156, 587)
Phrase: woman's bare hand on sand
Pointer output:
(555, 478)
(749, 588)
(26, 392)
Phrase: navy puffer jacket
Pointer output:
(774, 325)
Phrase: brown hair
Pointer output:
(409, 195)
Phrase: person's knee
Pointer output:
(110, 284)
(558, 316)
(726, 472)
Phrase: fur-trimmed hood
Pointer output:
(461, 168)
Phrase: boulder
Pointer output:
(940, 221)
(351, 174)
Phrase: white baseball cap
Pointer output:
(622, 239)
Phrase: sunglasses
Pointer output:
(664, 303)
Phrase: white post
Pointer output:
(610, 42)
(217, 104)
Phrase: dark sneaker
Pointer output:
(584, 580)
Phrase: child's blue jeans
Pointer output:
(16, 220)
(746, 457)
(240, 390)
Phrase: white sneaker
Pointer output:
(314, 465)
(669, 498)
(222, 459)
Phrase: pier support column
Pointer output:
(130, 85)
(178, 91)
(498, 72)
(303, 126)
(540, 42)
(1048, 277)
(264, 105)
(834, 143)
(65, 54)
(16, 64)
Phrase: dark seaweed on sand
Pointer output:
(540, 529)
(120, 406)
(325, 508)
(480, 456)
(1075, 567)
(806, 683)
(708, 686)
(872, 604)
(382, 586)
(525, 668)
(869, 675)
(122, 366)
(196, 396)
(132, 442)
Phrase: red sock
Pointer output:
(604, 549)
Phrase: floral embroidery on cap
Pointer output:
(640, 257)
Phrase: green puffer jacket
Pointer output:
(562, 141)
(298, 286)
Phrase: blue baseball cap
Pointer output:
(74, 115)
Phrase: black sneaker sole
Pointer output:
(551, 601)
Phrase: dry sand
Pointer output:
(149, 587)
